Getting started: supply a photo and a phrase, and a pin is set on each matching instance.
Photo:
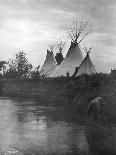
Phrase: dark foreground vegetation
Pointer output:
(72, 96)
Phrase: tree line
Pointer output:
(19, 67)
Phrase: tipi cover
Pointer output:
(72, 60)
(74, 56)
(86, 67)
(49, 65)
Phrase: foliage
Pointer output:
(20, 67)
(35, 75)
(3, 66)
(11, 72)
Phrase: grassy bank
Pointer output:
(34, 88)
(72, 94)
(102, 140)
(73, 97)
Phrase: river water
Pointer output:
(28, 128)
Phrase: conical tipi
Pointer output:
(74, 56)
(60, 47)
(49, 65)
(86, 67)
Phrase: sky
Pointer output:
(31, 25)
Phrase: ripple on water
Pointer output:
(40, 130)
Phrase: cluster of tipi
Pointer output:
(74, 64)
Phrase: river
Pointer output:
(29, 128)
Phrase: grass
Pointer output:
(102, 140)
(73, 95)
(70, 94)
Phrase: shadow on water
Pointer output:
(29, 128)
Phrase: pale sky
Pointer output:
(30, 25)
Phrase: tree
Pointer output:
(20, 67)
(11, 72)
(35, 75)
(22, 64)
(2, 64)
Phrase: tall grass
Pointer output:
(82, 88)
(72, 94)
(102, 140)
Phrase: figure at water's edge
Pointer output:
(96, 109)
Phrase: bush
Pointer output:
(1, 87)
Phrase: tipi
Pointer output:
(59, 55)
(86, 67)
(74, 56)
(50, 63)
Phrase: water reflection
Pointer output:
(26, 128)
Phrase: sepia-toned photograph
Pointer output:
(57, 77)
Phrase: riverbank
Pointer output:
(53, 133)
(71, 94)
(72, 97)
